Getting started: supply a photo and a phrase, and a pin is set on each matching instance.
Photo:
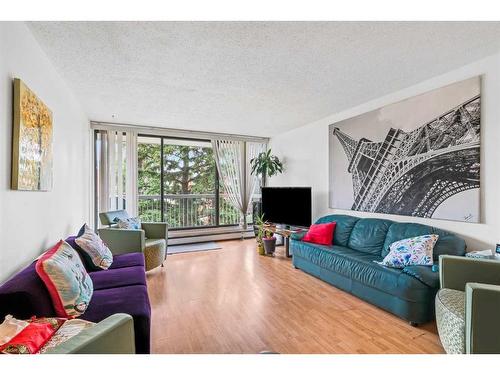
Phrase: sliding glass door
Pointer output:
(178, 183)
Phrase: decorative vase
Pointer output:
(269, 245)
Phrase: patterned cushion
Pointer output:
(95, 253)
(129, 223)
(69, 329)
(10, 328)
(31, 338)
(415, 251)
(450, 319)
(69, 285)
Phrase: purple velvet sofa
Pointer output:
(120, 289)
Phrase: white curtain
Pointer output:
(233, 164)
(116, 153)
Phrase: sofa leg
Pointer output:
(294, 266)
(413, 324)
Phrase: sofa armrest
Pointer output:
(456, 271)
(482, 303)
(121, 241)
(298, 236)
(155, 230)
(113, 335)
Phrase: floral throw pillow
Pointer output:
(68, 283)
(130, 223)
(415, 251)
(95, 252)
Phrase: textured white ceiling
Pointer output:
(258, 78)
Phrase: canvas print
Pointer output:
(32, 141)
(419, 157)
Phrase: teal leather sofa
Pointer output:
(348, 263)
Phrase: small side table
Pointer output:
(285, 233)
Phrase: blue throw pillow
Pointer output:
(130, 223)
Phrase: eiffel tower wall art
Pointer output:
(418, 157)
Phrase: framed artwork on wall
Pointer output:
(418, 157)
(31, 141)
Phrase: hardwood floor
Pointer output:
(234, 301)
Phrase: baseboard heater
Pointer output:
(181, 237)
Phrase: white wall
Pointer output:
(305, 153)
(30, 222)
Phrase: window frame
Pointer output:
(162, 177)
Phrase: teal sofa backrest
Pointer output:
(374, 236)
(368, 235)
(448, 243)
(343, 228)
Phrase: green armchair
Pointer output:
(113, 335)
(467, 305)
(151, 239)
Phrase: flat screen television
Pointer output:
(287, 205)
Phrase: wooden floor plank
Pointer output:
(234, 301)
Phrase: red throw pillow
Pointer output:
(321, 234)
(31, 339)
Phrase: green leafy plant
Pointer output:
(266, 165)
(261, 232)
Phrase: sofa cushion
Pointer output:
(25, 295)
(343, 227)
(361, 267)
(424, 274)
(448, 243)
(132, 300)
(127, 260)
(66, 279)
(368, 235)
(92, 249)
(118, 277)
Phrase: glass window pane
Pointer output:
(149, 177)
(189, 183)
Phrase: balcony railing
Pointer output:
(189, 210)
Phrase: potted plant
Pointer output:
(269, 241)
(266, 165)
(260, 233)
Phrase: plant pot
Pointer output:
(269, 245)
(260, 249)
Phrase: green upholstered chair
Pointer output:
(113, 335)
(151, 239)
(467, 305)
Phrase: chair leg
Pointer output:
(413, 324)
